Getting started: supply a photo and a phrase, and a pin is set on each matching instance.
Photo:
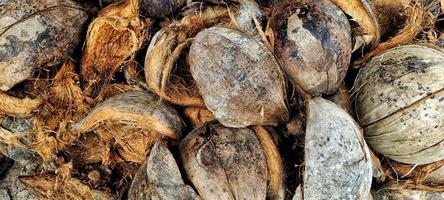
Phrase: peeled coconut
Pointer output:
(399, 101)
(229, 163)
(239, 79)
(313, 43)
(338, 164)
(159, 177)
(132, 121)
(36, 34)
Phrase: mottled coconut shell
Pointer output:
(399, 100)
(239, 79)
(313, 43)
(36, 34)
(337, 161)
(134, 120)
(159, 178)
(225, 163)
(160, 8)
(112, 40)
(11, 188)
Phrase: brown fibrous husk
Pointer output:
(14, 106)
(198, 116)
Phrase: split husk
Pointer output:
(159, 177)
(14, 106)
(198, 116)
(313, 43)
(239, 79)
(398, 100)
(337, 161)
(112, 40)
(133, 121)
(36, 34)
(228, 163)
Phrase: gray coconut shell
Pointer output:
(225, 163)
(238, 77)
(36, 34)
(399, 99)
(337, 161)
(159, 178)
(313, 43)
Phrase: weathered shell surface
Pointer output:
(36, 34)
(337, 160)
(159, 178)
(225, 163)
(313, 43)
(400, 102)
(12, 188)
(160, 8)
(238, 77)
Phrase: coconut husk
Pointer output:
(400, 193)
(164, 75)
(225, 163)
(419, 17)
(35, 34)
(198, 116)
(132, 121)
(342, 99)
(89, 149)
(367, 32)
(112, 40)
(159, 177)
(14, 106)
(238, 77)
(419, 174)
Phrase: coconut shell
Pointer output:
(159, 178)
(393, 193)
(239, 79)
(12, 188)
(342, 99)
(225, 163)
(160, 8)
(313, 43)
(36, 34)
(112, 41)
(337, 161)
(399, 100)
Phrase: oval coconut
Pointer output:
(338, 164)
(36, 34)
(313, 43)
(399, 100)
(238, 77)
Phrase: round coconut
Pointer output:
(313, 43)
(159, 177)
(36, 34)
(338, 163)
(399, 100)
(239, 79)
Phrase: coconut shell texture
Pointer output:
(337, 161)
(160, 8)
(36, 34)
(239, 79)
(313, 43)
(399, 100)
(225, 163)
(159, 178)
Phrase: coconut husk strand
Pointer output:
(338, 164)
(399, 102)
(417, 17)
(164, 76)
(36, 34)
(228, 163)
(239, 79)
(159, 177)
(14, 106)
(367, 33)
(112, 40)
(313, 43)
(133, 121)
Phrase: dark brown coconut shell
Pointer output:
(36, 34)
(239, 79)
(313, 43)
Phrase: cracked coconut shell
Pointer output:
(399, 101)
(239, 79)
(36, 34)
(338, 164)
(111, 41)
(313, 43)
(229, 163)
(134, 121)
(159, 178)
